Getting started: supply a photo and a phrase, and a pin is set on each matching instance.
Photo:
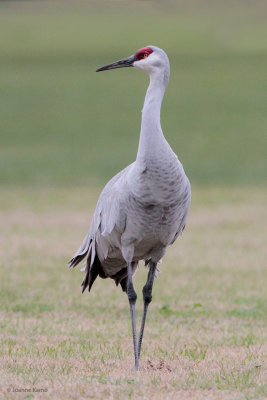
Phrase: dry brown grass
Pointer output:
(206, 331)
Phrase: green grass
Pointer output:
(63, 124)
(206, 329)
(65, 130)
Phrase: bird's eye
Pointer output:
(143, 53)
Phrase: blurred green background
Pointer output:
(61, 124)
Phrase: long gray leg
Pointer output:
(132, 296)
(147, 296)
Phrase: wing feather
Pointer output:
(108, 215)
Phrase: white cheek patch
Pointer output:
(148, 63)
(141, 64)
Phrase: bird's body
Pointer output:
(142, 209)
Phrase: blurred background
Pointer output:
(64, 125)
(66, 130)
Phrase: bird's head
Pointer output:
(151, 59)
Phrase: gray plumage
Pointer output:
(143, 209)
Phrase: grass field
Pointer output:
(64, 131)
(59, 119)
(206, 331)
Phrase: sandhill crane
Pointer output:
(142, 209)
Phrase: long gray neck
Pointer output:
(151, 135)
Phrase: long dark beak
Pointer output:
(126, 62)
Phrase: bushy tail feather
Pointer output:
(82, 252)
(91, 272)
(93, 266)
